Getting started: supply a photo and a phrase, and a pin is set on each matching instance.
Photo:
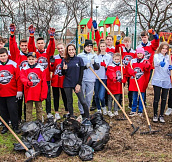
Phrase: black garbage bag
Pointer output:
(19, 147)
(97, 119)
(49, 149)
(71, 125)
(86, 153)
(99, 137)
(70, 143)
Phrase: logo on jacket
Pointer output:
(58, 70)
(23, 64)
(139, 73)
(127, 59)
(5, 77)
(147, 55)
(118, 76)
(33, 77)
(43, 62)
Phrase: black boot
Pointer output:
(4, 130)
(16, 130)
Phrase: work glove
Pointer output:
(88, 65)
(103, 63)
(31, 30)
(151, 31)
(12, 29)
(19, 95)
(123, 80)
(30, 84)
(146, 64)
(162, 63)
(52, 59)
(170, 68)
(51, 32)
(94, 24)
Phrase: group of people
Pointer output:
(25, 74)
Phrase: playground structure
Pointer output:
(85, 30)
(166, 37)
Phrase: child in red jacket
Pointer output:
(33, 76)
(114, 82)
(10, 89)
(137, 68)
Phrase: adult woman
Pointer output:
(72, 67)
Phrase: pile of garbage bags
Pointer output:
(70, 136)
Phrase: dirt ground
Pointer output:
(122, 147)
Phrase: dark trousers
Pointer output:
(170, 98)
(80, 95)
(130, 94)
(48, 100)
(20, 103)
(157, 93)
(9, 110)
(56, 96)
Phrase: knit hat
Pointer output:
(88, 43)
(33, 54)
(140, 50)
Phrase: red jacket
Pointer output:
(114, 72)
(141, 68)
(44, 56)
(36, 75)
(109, 50)
(17, 55)
(150, 49)
(127, 56)
(10, 81)
(57, 78)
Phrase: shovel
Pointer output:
(134, 129)
(30, 154)
(144, 108)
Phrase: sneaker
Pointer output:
(168, 111)
(140, 114)
(49, 115)
(79, 118)
(155, 119)
(92, 108)
(57, 116)
(132, 113)
(161, 119)
(110, 114)
(104, 110)
(116, 113)
(99, 111)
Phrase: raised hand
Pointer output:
(12, 29)
(31, 30)
(151, 31)
(103, 63)
(162, 63)
(64, 66)
(94, 24)
(51, 32)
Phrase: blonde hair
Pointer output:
(116, 55)
(161, 46)
(127, 39)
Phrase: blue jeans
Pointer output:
(134, 106)
(100, 93)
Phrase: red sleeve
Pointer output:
(19, 83)
(97, 37)
(44, 87)
(52, 68)
(14, 51)
(31, 44)
(124, 74)
(155, 44)
(23, 77)
(130, 71)
(110, 73)
(51, 48)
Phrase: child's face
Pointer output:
(31, 60)
(109, 41)
(71, 51)
(88, 48)
(61, 49)
(164, 49)
(103, 47)
(127, 44)
(23, 47)
(144, 38)
(139, 55)
(116, 59)
(3, 57)
(2, 45)
(40, 44)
